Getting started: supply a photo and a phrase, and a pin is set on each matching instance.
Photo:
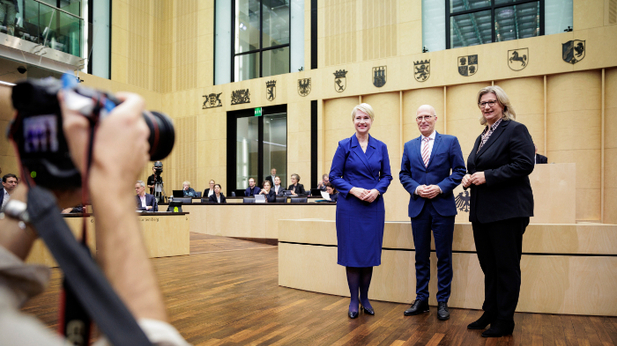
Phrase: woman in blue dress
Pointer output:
(361, 173)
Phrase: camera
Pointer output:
(37, 128)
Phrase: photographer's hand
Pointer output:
(120, 152)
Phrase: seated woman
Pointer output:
(332, 192)
(296, 188)
(277, 188)
(217, 197)
(210, 190)
(267, 190)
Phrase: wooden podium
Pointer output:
(554, 194)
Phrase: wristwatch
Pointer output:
(16, 210)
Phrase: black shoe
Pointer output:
(368, 311)
(418, 307)
(482, 322)
(442, 311)
(498, 329)
(352, 314)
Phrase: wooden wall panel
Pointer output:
(338, 29)
(412, 100)
(379, 29)
(574, 133)
(527, 98)
(338, 124)
(610, 147)
(462, 114)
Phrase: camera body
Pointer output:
(39, 136)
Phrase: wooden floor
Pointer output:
(226, 293)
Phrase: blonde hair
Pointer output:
(186, 183)
(502, 98)
(364, 107)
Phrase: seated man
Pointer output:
(188, 190)
(325, 179)
(145, 201)
(9, 182)
(252, 190)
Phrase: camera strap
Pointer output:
(82, 274)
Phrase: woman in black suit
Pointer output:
(296, 188)
(501, 204)
(267, 190)
(209, 191)
(217, 197)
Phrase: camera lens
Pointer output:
(162, 135)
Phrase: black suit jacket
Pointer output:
(298, 189)
(1, 196)
(214, 200)
(506, 159)
(541, 159)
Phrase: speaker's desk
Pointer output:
(567, 269)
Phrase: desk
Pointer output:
(253, 221)
(566, 269)
(165, 234)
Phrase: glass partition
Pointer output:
(39, 22)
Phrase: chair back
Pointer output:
(299, 199)
(184, 200)
(281, 199)
(248, 200)
(205, 200)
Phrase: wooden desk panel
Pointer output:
(251, 220)
(164, 234)
(566, 269)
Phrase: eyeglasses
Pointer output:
(490, 103)
(425, 117)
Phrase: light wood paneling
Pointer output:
(610, 147)
(527, 98)
(463, 114)
(555, 278)
(163, 235)
(574, 133)
(250, 220)
(338, 32)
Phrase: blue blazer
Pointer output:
(150, 200)
(445, 169)
(368, 178)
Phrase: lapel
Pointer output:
(493, 138)
(357, 149)
(435, 149)
(473, 155)
(416, 149)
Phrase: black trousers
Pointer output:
(499, 246)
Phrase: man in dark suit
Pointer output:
(271, 176)
(145, 201)
(540, 158)
(431, 168)
(9, 182)
(252, 190)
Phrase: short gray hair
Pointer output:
(141, 183)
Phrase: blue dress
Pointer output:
(359, 224)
